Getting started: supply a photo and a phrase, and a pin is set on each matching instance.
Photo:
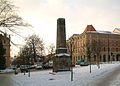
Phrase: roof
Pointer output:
(104, 32)
(74, 35)
(89, 28)
(62, 54)
(116, 30)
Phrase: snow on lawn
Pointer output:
(82, 76)
(116, 82)
(6, 71)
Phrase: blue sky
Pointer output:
(43, 14)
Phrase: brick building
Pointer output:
(99, 46)
(6, 44)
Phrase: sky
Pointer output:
(43, 15)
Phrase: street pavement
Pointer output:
(112, 79)
(5, 80)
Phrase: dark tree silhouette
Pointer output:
(33, 48)
(9, 19)
(2, 57)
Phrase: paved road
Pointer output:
(112, 79)
(5, 80)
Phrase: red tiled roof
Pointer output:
(89, 28)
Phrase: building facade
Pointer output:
(6, 44)
(94, 46)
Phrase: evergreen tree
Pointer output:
(2, 57)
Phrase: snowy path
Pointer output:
(5, 80)
(111, 79)
(116, 81)
(82, 77)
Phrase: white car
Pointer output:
(50, 64)
(38, 66)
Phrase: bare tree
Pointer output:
(89, 53)
(9, 19)
(96, 49)
(36, 45)
(51, 49)
(93, 52)
(51, 52)
(23, 57)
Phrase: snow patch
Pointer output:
(81, 76)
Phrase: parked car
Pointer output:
(46, 65)
(38, 66)
(84, 63)
(23, 68)
(78, 62)
(50, 64)
(31, 66)
(13, 67)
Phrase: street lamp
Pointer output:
(29, 67)
(29, 63)
(70, 51)
(24, 65)
(71, 62)
(112, 56)
(89, 54)
(90, 62)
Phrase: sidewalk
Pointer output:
(108, 80)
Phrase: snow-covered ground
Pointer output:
(6, 71)
(82, 76)
(116, 82)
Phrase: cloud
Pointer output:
(43, 14)
(78, 13)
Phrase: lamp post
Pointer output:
(90, 63)
(29, 62)
(111, 56)
(71, 63)
(29, 69)
(24, 65)
(70, 51)
(89, 54)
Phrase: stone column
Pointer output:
(61, 33)
(61, 61)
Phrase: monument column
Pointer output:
(62, 59)
(61, 33)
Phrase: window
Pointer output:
(116, 49)
(78, 57)
(108, 49)
(94, 57)
(104, 48)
